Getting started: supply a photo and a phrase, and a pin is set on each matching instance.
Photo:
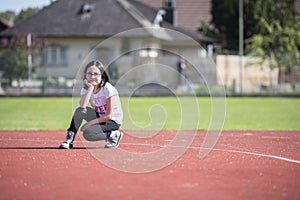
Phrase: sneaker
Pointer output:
(68, 143)
(114, 139)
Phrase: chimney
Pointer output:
(168, 7)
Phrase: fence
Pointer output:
(237, 75)
(246, 75)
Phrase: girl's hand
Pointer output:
(89, 123)
(84, 100)
(85, 126)
(88, 84)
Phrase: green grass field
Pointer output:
(157, 113)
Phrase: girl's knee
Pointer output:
(80, 111)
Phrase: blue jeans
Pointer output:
(95, 132)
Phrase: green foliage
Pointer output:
(26, 13)
(8, 15)
(225, 22)
(13, 55)
(271, 31)
(277, 18)
(278, 33)
(16, 17)
(13, 49)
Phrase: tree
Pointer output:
(8, 15)
(13, 55)
(225, 18)
(13, 50)
(26, 13)
(271, 30)
(278, 34)
(12, 17)
(225, 22)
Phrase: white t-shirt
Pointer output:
(98, 101)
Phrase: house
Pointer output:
(138, 43)
(187, 13)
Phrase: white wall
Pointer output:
(253, 74)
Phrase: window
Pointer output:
(125, 46)
(56, 55)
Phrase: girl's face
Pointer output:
(93, 75)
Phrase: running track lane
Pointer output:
(242, 165)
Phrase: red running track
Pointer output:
(242, 165)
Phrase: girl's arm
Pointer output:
(108, 115)
(84, 101)
(105, 118)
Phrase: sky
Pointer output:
(18, 5)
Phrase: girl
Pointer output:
(105, 118)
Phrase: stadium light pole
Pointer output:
(241, 42)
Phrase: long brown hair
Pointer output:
(100, 66)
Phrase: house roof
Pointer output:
(189, 13)
(65, 18)
(91, 18)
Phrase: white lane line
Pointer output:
(223, 150)
(193, 147)
(261, 154)
(275, 137)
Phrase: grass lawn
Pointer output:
(35, 113)
(262, 114)
(158, 113)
